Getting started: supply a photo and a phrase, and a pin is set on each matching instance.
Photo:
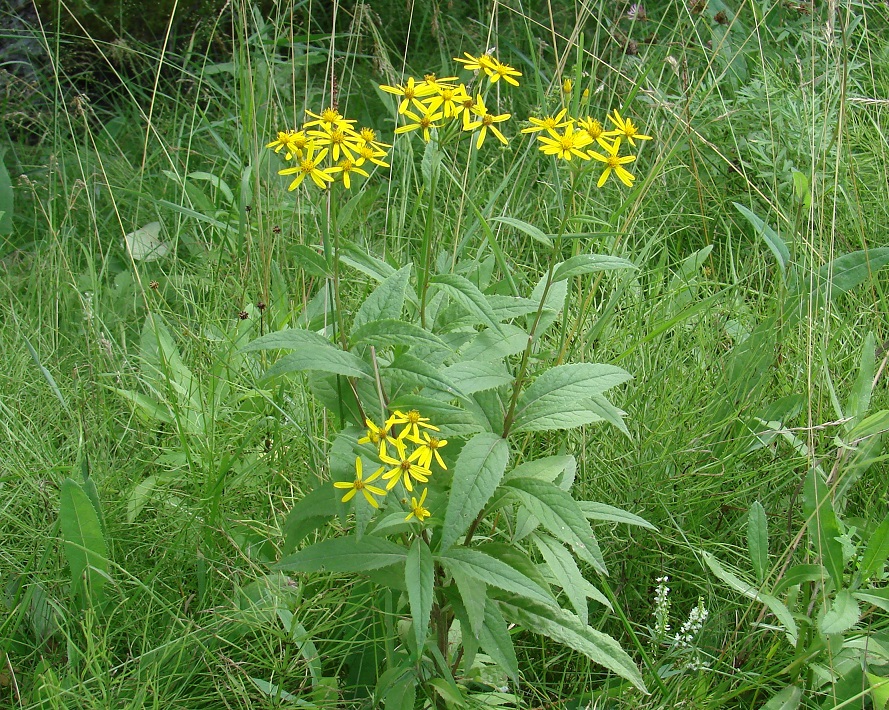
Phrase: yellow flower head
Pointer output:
(380, 435)
(346, 167)
(309, 167)
(424, 123)
(548, 123)
(410, 92)
(363, 485)
(370, 154)
(329, 117)
(427, 449)
(417, 509)
(484, 62)
(567, 86)
(413, 421)
(505, 72)
(615, 163)
(403, 468)
(486, 121)
(566, 145)
(625, 127)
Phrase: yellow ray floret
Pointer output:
(363, 485)
(615, 163)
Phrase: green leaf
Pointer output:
(310, 261)
(563, 567)
(473, 593)
(7, 200)
(799, 574)
(47, 375)
(467, 294)
(496, 642)
(842, 615)
(477, 473)
(770, 237)
(308, 514)
(603, 511)
(492, 345)
(860, 395)
(493, 572)
(419, 579)
(559, 398)
(878, 597)
(823, 527)
(780, 611)
(452, 420)
(84, 544)
(536, 234)
(344, 554)
(566, 628)
(561, 515)
(389, 332)
(546, 468)
(758, 540)
(323, 358)
(849, 270)
(876, 552)
(588, 264)
(788, 699)
(386, 300)
(472, 377)
(419, 372)
(879, 690)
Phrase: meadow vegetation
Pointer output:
(449, 354)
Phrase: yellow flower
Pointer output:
(329, 117)
(368, 136)
(410, 92)
(403, 468)
(626, 128)
(439, 84)
(414, 421)
(417, 509)
(308, 167)
(615, 163)
(346, 166)
(467, 104)
(548, 123)
(449, 98)
(368, 153)
(424, 123)
(428, 449)
(566, 145)
(379, 435)
(294, 142)
(567, 86)
(505, 72)
(486, 121)
(484, 62)
(337, 139)
(360, 484)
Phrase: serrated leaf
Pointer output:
(385, 301)
(559, 398)
(566, 628)
(493, 572)
(561, 515)
(419, 372)
(822, 524)
(547, 468)
(491, 345)
(472, 377)
(588, 264)
(477, 473)
(563, 567)
(390, 332)
(878, 597)
(84, 543)
(769, 236)
(748, 590)
(842, 614)
(419, 579)
(496, 641)
(758, 540)
(344, 554)
(467, 294)
(534, 232)
(309, 513)
(603, 511)
(323, 358)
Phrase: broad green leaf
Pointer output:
(799, 574)
(324, 358)
(310, 261)
(850, 270)
(467, 294)
(419, 579)
(477, 474)
(547, 468)
(535, 233)
(358, 258)
(84, 543)
(770, 237)
(876, 552)
(491, 345)
(607, 412)
(823, 527)
(452, 420)
(588, 264)
(506, 307)
(308, 514)
(139, 497)
(559, 398)
(217, 182)
(879, 690)
(493, 572)
(386, 300)
(878, 597)
(780, 611)
(287, 339)
(842, 614)
(274, 691)
(758, 540)
(474, 593)
(563, 567)
(566, 628)
(390, 332)
(561, 515)
(496, 641)
(420, 372)
(344, 554)
(471, 377)
(859, 397)
(603, 511)
(787, 699)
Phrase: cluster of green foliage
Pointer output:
(191, 354)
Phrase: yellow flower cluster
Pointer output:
(399, 464)
(577, 135)
(430, 103)
(328, 146)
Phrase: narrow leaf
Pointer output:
(536, 234)
(769, 236)
(496, 641)
(84, 543)
(603, 511)
(758, 540)
(477, 473)
(344, 554)
(419, 578)
(876, 552)
(494, 573)
(563, 567)
(588, 264)
(467, 294)
(822, 524)
(473, 593)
